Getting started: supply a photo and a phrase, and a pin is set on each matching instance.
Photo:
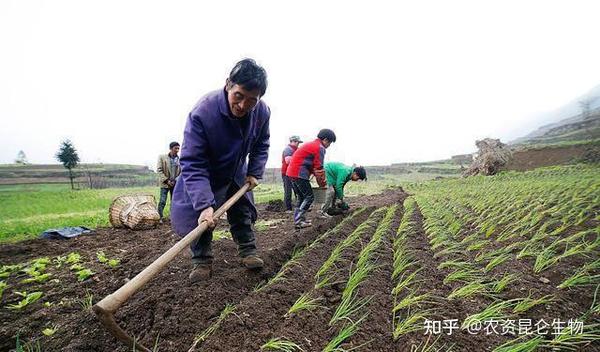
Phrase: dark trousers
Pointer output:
(305, 198)
(239, 217)
(163, 199)
(287, 192)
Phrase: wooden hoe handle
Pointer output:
(106, 308)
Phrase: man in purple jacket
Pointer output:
(224, 128)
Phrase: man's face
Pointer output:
(175, 150)
(241, 101)
(326, 143)
(295, 143)
(355, 176)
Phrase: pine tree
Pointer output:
(67, 155)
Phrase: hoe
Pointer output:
(106, 308)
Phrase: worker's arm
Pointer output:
(162, 178)
(287, 155)
(194, 164)
(318, 164)
(259, 154)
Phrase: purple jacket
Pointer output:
(213, 155)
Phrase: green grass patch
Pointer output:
(28, 210)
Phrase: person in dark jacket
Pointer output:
(308, 160)
(225, 128)
(286, 157)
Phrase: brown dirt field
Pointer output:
(310, 329)
(173, 311)
(375, 332)
(261, 313)
(539, 157)
(167, 307)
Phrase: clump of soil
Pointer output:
(275, 205)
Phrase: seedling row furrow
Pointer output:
(360, 299)
(314, 307)
(285, 288)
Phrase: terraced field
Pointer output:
(503, 263)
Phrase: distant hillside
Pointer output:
(86, 175)
(569, 130)
(577, 121)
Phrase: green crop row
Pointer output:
(350, 312)
(407, 313)
(478, 227)
(349, 305)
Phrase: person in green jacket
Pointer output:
(338, 175)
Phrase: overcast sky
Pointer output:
(397, 81)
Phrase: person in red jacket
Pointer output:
(308, 160)
(286, 157)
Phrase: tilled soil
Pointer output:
(168, 308)
(530, 159)
(566, 304)
(310, 329)
(173, 312)
(431, 280)
(261, 313)
(375, 331)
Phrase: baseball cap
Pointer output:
(295, 139)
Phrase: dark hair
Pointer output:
(248, 74)
(173, 144)
(361, 172)
(326, 133)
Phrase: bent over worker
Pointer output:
(338, 175)
(225, 128)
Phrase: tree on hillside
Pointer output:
(21, 158)
(67, 155)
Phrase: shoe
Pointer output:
(323, 215)
(252, 262)
(201, 272)
(303, 224)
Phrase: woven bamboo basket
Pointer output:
(134, 211)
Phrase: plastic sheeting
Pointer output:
(65, 232)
